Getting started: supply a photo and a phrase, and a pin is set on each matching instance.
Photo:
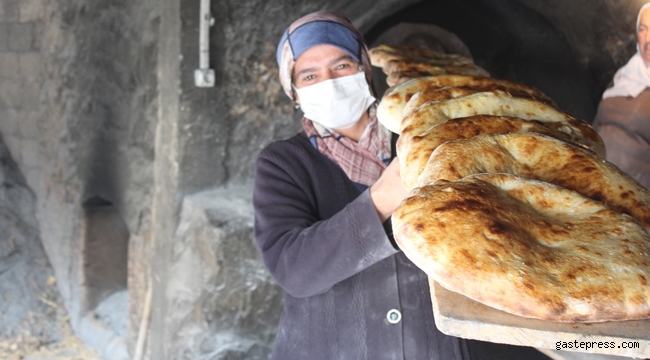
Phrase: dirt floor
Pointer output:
(66, 347)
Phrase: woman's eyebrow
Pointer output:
(306, 70)
(331, 63)
(341, 58)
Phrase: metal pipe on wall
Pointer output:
(204, 76)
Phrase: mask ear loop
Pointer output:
(295, 105)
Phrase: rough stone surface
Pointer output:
(97, 141)
(22, 36)
(105, 328)
(28, 294)
(226, 306)
(9, 10)
(601, 34)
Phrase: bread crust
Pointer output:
(539, 157)
(527, 247)
(497, 103)
(382, 54)
(414, 148)
(390, 111)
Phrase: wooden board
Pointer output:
(460, 316)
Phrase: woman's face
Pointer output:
(320, 63)
(643, 36)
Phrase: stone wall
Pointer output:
(98, 106)
(30, 300)
(602, 34)
(78, 109)
(21, 82)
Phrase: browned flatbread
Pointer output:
(528, 248)
(496, 103)
(382, 54)
(395, 66)
(400, 77)
(401, 71)
(390, 111)
(447, 93)
(414, 150)
(539, 157)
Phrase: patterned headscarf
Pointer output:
(364, 161)
(320, 28)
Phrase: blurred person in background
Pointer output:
(623, 117)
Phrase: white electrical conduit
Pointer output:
(204, 76)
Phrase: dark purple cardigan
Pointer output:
(321, 239)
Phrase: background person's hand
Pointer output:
(389, 191)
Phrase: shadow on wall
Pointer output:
(104, 252)
(512, 42)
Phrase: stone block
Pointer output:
(21, 36)
(33, 177)
(95, 333)
(13, 144)
(30, 65)
(31, 10)
(8, 122)
(226, 305)
(29, 151)
(11, 93)
(4, 37)
(9, 10)
(29, 126)
(30, 95)
(25, 273)
(9, 65)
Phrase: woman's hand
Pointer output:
(389, 191)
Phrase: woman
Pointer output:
(623, 118)
(322, 202)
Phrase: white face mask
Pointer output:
(336, 103)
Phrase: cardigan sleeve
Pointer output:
(304, 254)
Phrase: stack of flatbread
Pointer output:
(512, 202)
(405, 62)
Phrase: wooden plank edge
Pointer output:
(537, 338)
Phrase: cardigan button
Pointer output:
(394, 316)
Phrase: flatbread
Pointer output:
(496, 103)
(394, 66)
(528, 248)
(400, 72)
(390, 111)
(539, 157)
(451, 92)
(414, 150)
(382, 54)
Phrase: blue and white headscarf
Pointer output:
(319, 28)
